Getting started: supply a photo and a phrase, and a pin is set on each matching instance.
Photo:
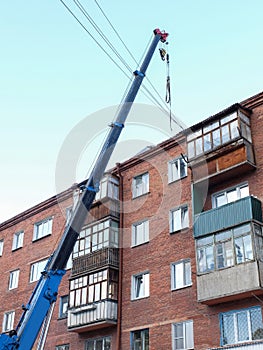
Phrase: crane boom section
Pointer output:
(46, 291)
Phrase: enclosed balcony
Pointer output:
(229, 252)
(221, 147)
(93, 301)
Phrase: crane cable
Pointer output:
(85, 13)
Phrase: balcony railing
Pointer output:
(235, 213)
(96, 260)
(92, 316)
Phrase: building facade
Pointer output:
(170, 255)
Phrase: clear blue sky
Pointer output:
(53, 75)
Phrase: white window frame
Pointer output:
(177, 169)
(43, 228)
(140, 285)
(187, 335)
(36, 269)
(139, 189)
(8, 321)
(1, 247)
(13, 279)
(224, 194)
(181, 276)
(18, 239)
(140, 233)
(179, 218)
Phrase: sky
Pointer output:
(54, 76)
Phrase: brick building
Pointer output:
(170, 256)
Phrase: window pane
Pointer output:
(248, 247)
(199, 146)
(242, 326)
(234, 129)
(244, 191)
(225, 133)
(207, 142)
(232, 195)
(221, 200)
(216, 138)
(228, 118)
(188, 277)
(256, 323)
(228, 329)
(191, 149)
(179, 275)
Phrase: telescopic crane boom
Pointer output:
(46, 290)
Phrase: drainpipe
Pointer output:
(118, 344)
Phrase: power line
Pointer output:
(111, 46)
(96, 41)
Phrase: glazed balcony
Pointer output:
(229, 243)
(92, 316)
(96, 260)
(221, 147)
(232, 214)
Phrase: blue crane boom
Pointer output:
(46, 290)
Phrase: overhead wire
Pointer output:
(102, 35)
(145, 90)
(96, 41)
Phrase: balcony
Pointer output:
(96, 260)
(92, 316)
(221, 146)
(224, 163)
(232, 214)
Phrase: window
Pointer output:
(218, 133)
(98, 344)
(8, 321)
(183, 335)
(97, 236)
(109, 187)
(18, 240)
(63, 306)
(179, 219)
(241, 325)
(140, 339)
(62, 347)
(42, 228)
(177, 169)
(36, 269)
(226, 248)
(13, 279)
(1, 246)
(94, 287)
(140, 232)
(140, 286)
(140, 185)
(230, 195)
(181, 274)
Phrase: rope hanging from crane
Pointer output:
(165, 57)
